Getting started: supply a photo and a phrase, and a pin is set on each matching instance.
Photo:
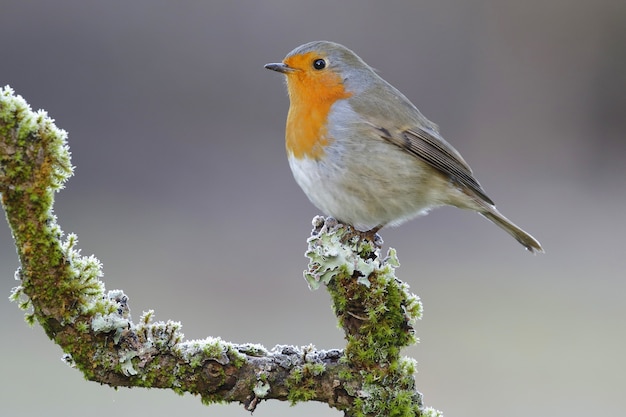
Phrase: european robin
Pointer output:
(364, 154)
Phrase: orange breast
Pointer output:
(311, 95)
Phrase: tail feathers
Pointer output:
(530, 243)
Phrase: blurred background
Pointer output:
(183, 191)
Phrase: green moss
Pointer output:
(82, 326)
(35, 162)
(237, 359)
(378, 333)
(30, 319)
(301, 383)
(214, 348)
(298, 394)
(387, 393)
(377, 312)
(295, 377)
(345, 374)
(208, 399)
(315, 369)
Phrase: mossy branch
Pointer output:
(62, 291)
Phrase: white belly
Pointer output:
(386, 186)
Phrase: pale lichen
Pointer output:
(261, 389)
(377, 312)
(431, 412)
(329, 253)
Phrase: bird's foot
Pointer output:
(351, 233)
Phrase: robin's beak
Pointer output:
(280, 67)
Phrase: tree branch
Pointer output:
(62, 291)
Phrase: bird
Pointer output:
(364, 154)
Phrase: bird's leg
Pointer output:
(370, 236)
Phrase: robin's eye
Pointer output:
(319, 64)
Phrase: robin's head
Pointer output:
(323, 70)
